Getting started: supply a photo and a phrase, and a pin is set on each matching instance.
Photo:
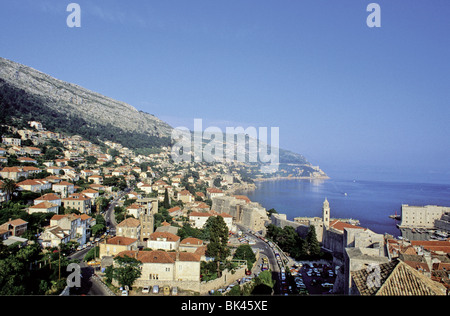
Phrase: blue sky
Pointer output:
(342, 94)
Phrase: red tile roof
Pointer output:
(339, 225)
(159, 256)
(192, 241)
(119, 240)
(166, 235)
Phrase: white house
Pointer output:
(49, 197)
(44, 207)
(199, 219)
(164, 241)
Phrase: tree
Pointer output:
(271, 211)
(245, 252)
(9, 186)
(263, 284)
(217, 181)
(127, 270)
(313, 243)
(217, 246)
(98, 229)
(166, 202)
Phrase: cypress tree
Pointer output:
(313, 244)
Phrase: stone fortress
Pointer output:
(353, 247)
(245, 212)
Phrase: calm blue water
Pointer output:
(371, 202)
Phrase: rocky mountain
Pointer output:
(75, 101)
(27, 94)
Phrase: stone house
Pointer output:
(44, 207)
(16, 227)
(78, 201)
(13, 173)
(64, 188)
(166, 268)
(191, 244)
(49, 197)
(129, 227)
(53, 236)
(185, 196)
(117, 244)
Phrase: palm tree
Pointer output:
(9, 186)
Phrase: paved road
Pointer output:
(89, 285)
(266, 251)
(109, 214)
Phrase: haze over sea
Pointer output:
(365, 195)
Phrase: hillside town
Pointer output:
(101, 203)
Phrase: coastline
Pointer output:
(241, 187)
(291, 178)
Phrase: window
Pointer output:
(153, 276)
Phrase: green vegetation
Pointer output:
(19, 107)
(127, 270)
(298, 248)
(217, 247)
(30, 271)
(245, 252)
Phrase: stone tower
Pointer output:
(326, 214)
(146, 219)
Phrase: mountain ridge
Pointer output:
(28, 94)
(79, 101)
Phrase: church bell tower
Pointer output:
(326, 214)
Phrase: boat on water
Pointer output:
(395, 216)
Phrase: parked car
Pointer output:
(146, 289)
(155, 289)
(174, 291)
(327, 284)
(166, 290)
(124, 293)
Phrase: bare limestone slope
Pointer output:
(78, 101)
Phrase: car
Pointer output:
(166, 290)
(174, 291)
(124, 293)
(155, 289)
(327, 284)
(146, 289)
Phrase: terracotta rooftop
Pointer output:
(339, 225)
(42, 205)
(129, 222)
(119, 240)
(166, 235)
(159, 256)
(192, 241)
(48, 197)
(396, 278)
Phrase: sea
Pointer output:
(369, 201)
